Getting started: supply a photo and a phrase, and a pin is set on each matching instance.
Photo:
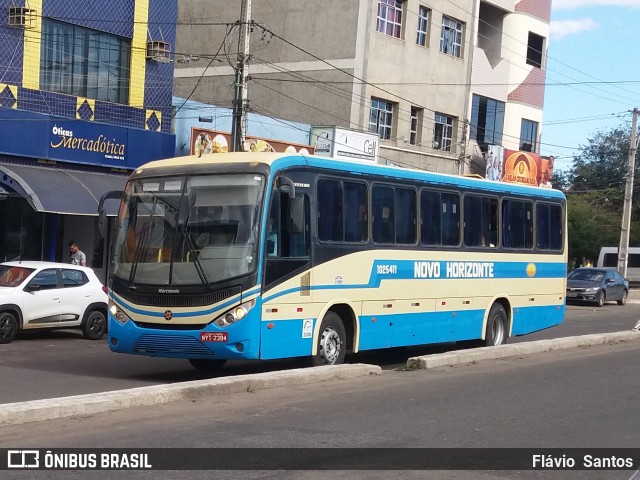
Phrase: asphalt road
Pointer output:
(582, 398)
(62, 363)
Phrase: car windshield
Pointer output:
(12, 276)
(587, 275)
(188, 230)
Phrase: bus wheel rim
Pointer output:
(330, 345)
(498, 331)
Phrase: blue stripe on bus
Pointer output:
(531, 319)
(444, 270)
(255, 290)
(284, 338)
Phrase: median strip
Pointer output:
(82, 405)
(517, 349)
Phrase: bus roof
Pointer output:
(278, 161)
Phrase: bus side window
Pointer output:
(330, 210)
(450, 219)
(280, 241)
(382, 201)
(299, 242)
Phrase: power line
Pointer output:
(227, 34)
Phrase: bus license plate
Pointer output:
(213, 336)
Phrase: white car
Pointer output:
(50, 295)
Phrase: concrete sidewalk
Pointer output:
(634, 295)
(519, 349)
(82, 405)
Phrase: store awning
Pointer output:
(58, 190)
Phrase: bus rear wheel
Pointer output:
(332, 341)
(207, 364)
(496, 332)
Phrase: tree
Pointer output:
(602, 165)
(595, 194)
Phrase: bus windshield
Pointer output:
(183, 230)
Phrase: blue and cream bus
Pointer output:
(266, 255)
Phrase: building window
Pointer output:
(528, 136)
(416, 126)
(390, 17)
(451, 36)
(534, 50)
(79, 61)
(443, 132)
(487, 120)
(422, 37)
(381, 118)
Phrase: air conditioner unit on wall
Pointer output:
(21, 17)
(159, 51)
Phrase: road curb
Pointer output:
(517, 349)
(82, 405)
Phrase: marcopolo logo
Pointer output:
(23, 459)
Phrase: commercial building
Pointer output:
(438, 80)
(85, 97)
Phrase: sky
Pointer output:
(593, 73)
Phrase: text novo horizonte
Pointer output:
(453, 270)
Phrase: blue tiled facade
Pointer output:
(115, 17)
(92, 50)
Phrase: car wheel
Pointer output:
(8, 327)
(496, 333)
(600, 298)
(332, 341)
(623, 300)
(207, 364)
(95, 325)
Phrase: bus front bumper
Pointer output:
(233, 343)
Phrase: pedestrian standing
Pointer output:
(77, 256)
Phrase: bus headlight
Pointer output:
(117, 313)
(235, 314)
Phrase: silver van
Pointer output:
(609, 258)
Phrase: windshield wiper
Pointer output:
(140, 253)
(193, 253)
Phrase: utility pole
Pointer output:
(239, 125)
(623, 249)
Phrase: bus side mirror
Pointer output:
(296, 213)
(102, 214)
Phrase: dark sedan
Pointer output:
(597, 285)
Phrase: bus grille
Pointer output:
(165, 326)
(172, 301)
(170, 344)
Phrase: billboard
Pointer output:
(346, 144)
(518, 167)
(204, 141)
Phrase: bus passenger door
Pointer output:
(286, 312)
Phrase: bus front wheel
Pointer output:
(207, 364)
(332, 341)
(496, 333)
